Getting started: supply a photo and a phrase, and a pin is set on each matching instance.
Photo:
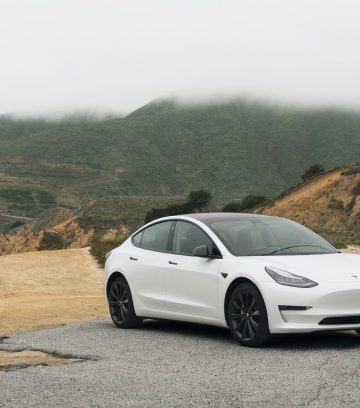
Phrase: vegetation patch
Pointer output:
(51, 240)
(196, 201)
(249, 202)
(99, 248)
(340, 244)
(336, 204)
(313, 171)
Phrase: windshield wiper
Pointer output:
(292, 246)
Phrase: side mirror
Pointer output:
(201, 250)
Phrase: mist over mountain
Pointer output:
(231, 148)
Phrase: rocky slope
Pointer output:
(328, 204)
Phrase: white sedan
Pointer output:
(255, 274)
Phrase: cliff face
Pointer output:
(59, 221)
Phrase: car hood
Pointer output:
(337, 267)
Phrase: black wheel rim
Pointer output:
(118, 302)
(244, 314)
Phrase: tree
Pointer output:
(199, 198)
(232, 207)
(196, 201)
(313, 171)
(247, 203)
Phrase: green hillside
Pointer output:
(166, 148)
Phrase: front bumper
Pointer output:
(327, 300)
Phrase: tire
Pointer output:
(121, 305)
(247, 316)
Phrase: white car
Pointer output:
(255, 274)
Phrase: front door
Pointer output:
(191, 281)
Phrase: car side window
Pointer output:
(187, 237)
(138, 238)
(156, 236)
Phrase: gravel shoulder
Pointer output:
(167, 364)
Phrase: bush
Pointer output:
(356, 189)
(99, 248)
(247, 203)
(196, 201)
(312, 171)
(233, 207)
(352, 171)
(16, 224)
(340, 244)
(51, 240)
(336, 204)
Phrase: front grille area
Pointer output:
(341, 320)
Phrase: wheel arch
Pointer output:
(231, 287)
(111, 279)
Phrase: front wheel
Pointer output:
(121, 306)
(247, 316)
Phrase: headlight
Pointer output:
(289, 279)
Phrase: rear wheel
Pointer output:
(247, 316)
(121, 306)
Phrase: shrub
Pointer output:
(51, 240)
(352, 171)
(312, 171)
(99, 248)
(16, 224)
(233, 207)
(356, 189)
(196, 201)
(336, 204)
(247, 203)
(340, 244)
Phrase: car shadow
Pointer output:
(323, 340)
(306, 341)
(188, 329)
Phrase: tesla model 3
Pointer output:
(255, 274)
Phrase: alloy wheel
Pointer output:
(244, 314)
(119, 301)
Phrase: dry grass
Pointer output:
(26, 358)
(49, 288)
(312, 204)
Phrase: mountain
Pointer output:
(328, 203)
(167, 148)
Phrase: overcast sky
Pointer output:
(114, 55)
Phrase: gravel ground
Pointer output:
(168, 364)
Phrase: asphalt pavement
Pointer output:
(167, 364)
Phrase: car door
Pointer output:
(148, 262)
(191, 281)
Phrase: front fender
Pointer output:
(241, 268)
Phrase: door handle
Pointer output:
(133, 259)
(172, 263)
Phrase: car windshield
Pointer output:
(269, 236)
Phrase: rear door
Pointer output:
(191, 281)
(149, 262)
